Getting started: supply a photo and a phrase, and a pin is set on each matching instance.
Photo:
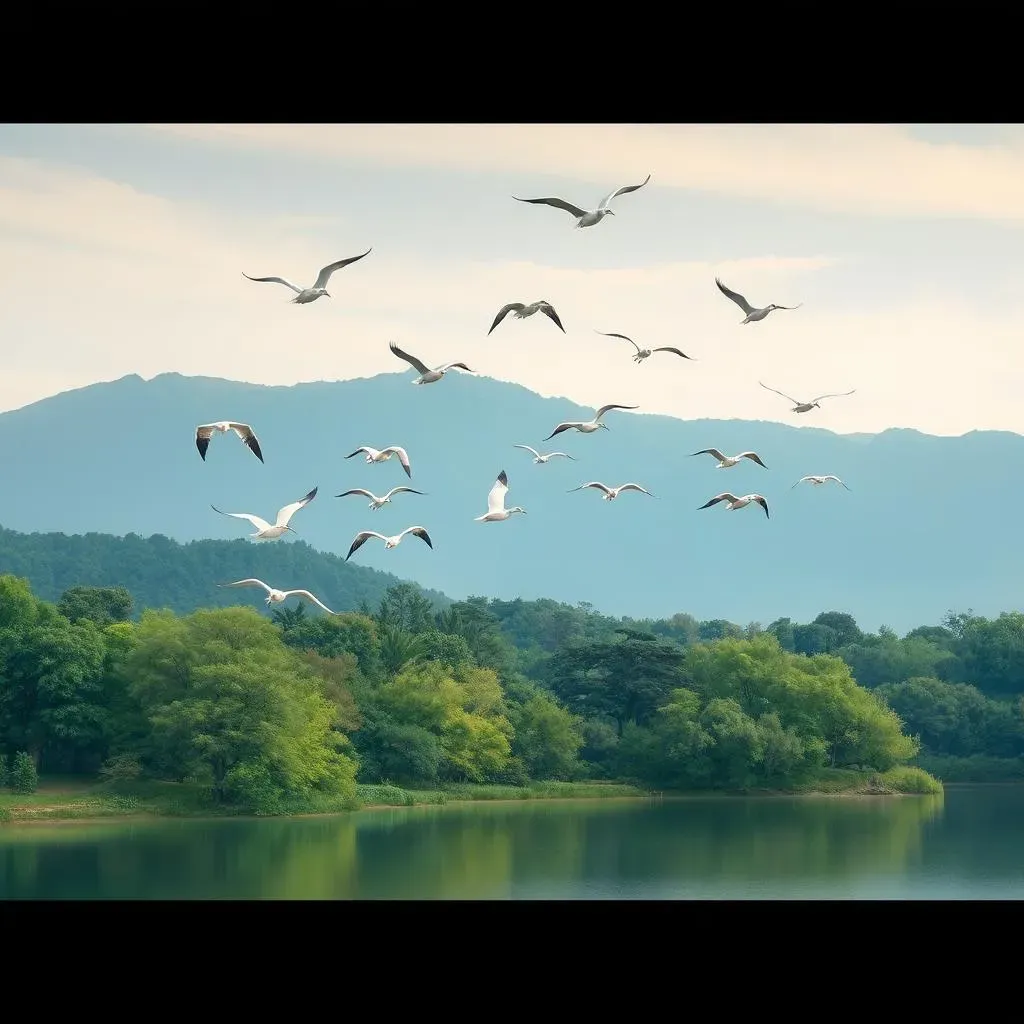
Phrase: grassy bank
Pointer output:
(977, 768)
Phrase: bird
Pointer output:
(382, 455)
(319, 285)
(375, 502)
(264, 531)
(728, 461)
(206, 430)
(589, 426)
(389, 542)
(752, 313)
(521, 311)
(277, 596)
(587, 218)
(807, 406)
(816, 480)
(735, 502)
(496, 511)
(611, 493)
(643, 353)
(427, 376)
(541, 459)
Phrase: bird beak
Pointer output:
(328, 294)
(612, 212)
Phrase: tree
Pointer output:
(843, 625)
(23, 777)
(404, 607)
(336, 635)
(101, 605)
(547, 738)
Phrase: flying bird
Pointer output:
(389, 542)
(643, 353)
(496, 511)
(807, 406)
(521, 311)
(735, 502)
(727, 461)
(277, 596)
(587, 218)
(611, 493)
(375, 502)
(206, 430)
(264, 531)
(382, 455)
(541, 459)
(816, 480)
(319, 285)
(427, 376)
(752, 313)
(589, 426)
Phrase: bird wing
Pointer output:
(397, 490)
(203, 435)
(454, 366)
(710, 451)
(360, 539)
(418, 531)
(249, 439)
(605, 408)
(668, 348)
(504, 312)
(725, 496)
(359, 490)
(753, 456)
(762, 503)
(365, 448)
(560, 203)
(325, 275)
(612, 334)
(528, 448)
(403, 458)
(842, 394)
(560, 428)
(306, 593)
(634, 487)
(549, 311)
(285, 514)
(801, 480)
(603, 205)
(735, 296)
(247, 583)
(797, 306)
(784, 395)
(832, 476)
(260, 524)
(276, 280)
(496, 495)
(565, 455)
(412, 360)
(593, 483)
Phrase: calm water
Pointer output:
(968, 844)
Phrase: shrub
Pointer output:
(23, 777)
(906, 779)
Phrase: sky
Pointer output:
(122, 249)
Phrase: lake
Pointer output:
(967, 844)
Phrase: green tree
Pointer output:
(335, 635)
(101, 605)
(404, 607)
(843, 625)
(547, 738)
(23, 777)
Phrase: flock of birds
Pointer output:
(496, 508)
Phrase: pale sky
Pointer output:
(122, 250)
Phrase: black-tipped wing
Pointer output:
(763, 504)
(794, 400)
(612, 334)
(668, 348)
(559, 429)
(605, 408)
(753, 456)
(736, 297)
(561, 204)
(202, 443)
(842, 394)
(504, 312)
(418, 531)
(710, 451)
(277, 280)
(360, 539)
(358, 490)
(411, 360)
(621, 192)
(549, 311)
(717, 498)
(325, 275)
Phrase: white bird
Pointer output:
(264, 531)
(643, 353)
(587, 218)
(383, 454)
(521, 312)
(816, 480)
(752, 313)
(277, 596)
(206, 430)
(807, 406)
(541, 459)
(319, 286)
(427, 375)
(375, 502)
(496, 511)
(727, 461)
(389, 542)
(735, 502)
(588, 426)
(611, 493)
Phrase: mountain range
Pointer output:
(925, 527)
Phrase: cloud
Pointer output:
(98, 280)
(851, 168)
